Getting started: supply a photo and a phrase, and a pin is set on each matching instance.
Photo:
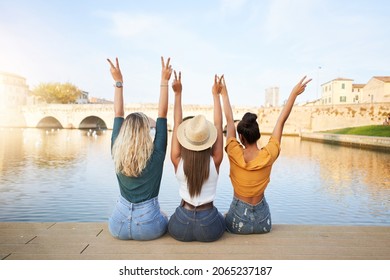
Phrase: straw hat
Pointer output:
(197, 133)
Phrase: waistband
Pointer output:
(143, 204)
(191, 207)
(237, 200)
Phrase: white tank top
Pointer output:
(209, 187)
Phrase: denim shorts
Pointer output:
(244, 218)
(138, 221)
(191, 225)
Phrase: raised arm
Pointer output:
(227, 108)
(177, 119)
(166, 72)
(118, 93)
(297, 90)
(217, 149)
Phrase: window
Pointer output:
(343, 99)
(342, 86)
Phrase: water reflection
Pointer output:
(67, 175)
(343, 169)
(348, 184)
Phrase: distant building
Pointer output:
(357, 92)
(337, 91)
(83, 98)
(96, 100)
(14, 90)
(343, 91)
(272, 97)
(377, 90)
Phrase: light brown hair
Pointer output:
(196, 165)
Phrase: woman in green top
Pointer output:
(139, 164)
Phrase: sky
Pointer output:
(256, 44)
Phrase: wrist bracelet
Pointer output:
(164, 85)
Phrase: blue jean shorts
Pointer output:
(138, 221)
(244, 218)
(191, 225)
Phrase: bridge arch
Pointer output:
(74, 116)
(49, 122)
(92, 122)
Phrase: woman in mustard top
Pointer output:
(250, 166)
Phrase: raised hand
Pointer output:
(223, 83)
(118, 92)
(301, 86)
(217, 86)
(285, 113)
(176, 84)
(166, 70)
(115, 71)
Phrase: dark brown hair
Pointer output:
(196, 167)
(249, 128)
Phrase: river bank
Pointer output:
(357, 141)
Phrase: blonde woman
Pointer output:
(196, 154)
(138, 161)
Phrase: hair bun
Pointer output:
(249, 128)
(249, 118)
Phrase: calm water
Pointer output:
(68, 175)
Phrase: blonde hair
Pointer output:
(133, 146)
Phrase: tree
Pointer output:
(57, 92)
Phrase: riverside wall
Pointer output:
(321, 118)
(358, 141)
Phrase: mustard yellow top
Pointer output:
(251, 178)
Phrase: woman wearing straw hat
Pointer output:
(250, 167)
(196, 153)
(139, 164)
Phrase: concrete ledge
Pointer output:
(367, 142)
(92, 241)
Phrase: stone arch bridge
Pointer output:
(95, 116)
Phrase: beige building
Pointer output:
(343, 91)
(97, 100)
(357, 93)
(14, 91)
(337, 91)
(377, 90)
